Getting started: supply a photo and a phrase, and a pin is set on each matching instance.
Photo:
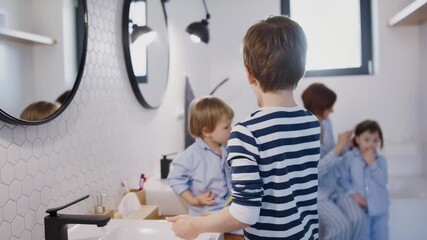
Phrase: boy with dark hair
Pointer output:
(274, 152)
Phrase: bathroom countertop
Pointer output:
(229, 236)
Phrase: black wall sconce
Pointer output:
(199, 30)
(144, 32)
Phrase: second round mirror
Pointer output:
(146, 49)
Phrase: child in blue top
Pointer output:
(274, 152)
(364, 175)
(200, 175)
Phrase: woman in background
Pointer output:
(340, 217)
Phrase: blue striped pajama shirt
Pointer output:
(370, 181)
(273, 156)
(340, 217)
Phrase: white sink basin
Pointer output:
(130, 229)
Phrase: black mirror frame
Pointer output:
(126, 51)
(13, 120)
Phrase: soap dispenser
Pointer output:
(164, 165)
(99, 207)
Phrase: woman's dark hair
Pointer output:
(370, 126)
(317, 98)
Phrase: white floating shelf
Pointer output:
(415, 13)
(26, 37)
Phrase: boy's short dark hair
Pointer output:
(274, 52)
(317, 98)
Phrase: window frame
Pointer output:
(366, 44)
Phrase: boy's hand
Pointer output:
(360, 200)
(183, 227)
(206, 198)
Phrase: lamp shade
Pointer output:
(199, 30)
(142, 32)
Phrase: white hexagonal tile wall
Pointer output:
(42, 132)
(5, 230)
(3, 156)
(48, 146)
(52, 130)
(30, 220)
(26, 235)
(44, 163)
(45, 196)
(56, 191)
(37, 232)
(54, 161)
(19, 135)
(7, 173)
(23, 205)
(39, 181)
(33, 166)
(7, 136)
(49, 178)
(9, 211)
(31, 133)
(28, 185)
(21, 170)
(4, 194)
(35, 201)
(26, 151)
(18, 226)
(41, 213)
(37, 148)
(13, 154)
(57, 144)
(15, 190)
(62, 127)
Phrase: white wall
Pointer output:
(422, 91)
(390, 96)
(12, 57)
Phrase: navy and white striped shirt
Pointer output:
(273, 156)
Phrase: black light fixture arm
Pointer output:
(208, 16)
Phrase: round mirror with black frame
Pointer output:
(146, 49)
(43, 45)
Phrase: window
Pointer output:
(338, 34)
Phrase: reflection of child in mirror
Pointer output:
(63, 97)
(364, 175)
(200, 175)
(39, 111)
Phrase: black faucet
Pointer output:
(55, 225)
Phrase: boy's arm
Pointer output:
(190, 227)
